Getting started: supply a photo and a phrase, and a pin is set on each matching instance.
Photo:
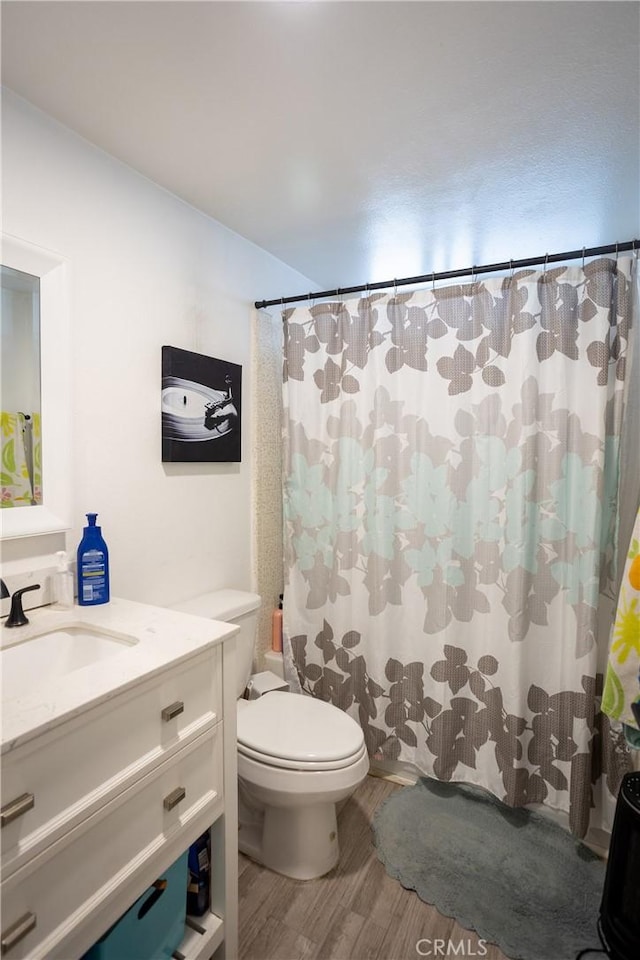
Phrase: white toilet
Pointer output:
(297, 758)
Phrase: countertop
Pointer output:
(154, 639)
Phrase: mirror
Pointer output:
(20, 433)
(35, 385)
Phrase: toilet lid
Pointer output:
(292, 726)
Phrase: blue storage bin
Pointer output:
(154, 926)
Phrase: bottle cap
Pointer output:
(91, 517)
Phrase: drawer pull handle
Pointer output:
(173, 710)
(14, 809)
(18, 931)
(173, 799)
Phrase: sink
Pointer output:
(49, 656)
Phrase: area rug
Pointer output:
(513, 876)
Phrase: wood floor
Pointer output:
(356, 912)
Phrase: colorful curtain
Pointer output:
(21, 472)
(451, 461)
(621, 699)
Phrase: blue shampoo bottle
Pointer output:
(93, 566)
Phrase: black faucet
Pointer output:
(3, 590)
(17, 616)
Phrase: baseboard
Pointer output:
(404, 779)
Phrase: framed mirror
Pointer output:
(35, 391)
(20, 433)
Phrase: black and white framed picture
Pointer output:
(201, 408)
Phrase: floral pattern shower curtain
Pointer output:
(451, 490)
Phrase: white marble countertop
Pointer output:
(153, 639)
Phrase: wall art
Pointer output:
(201, 408)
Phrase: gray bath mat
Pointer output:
(514, 877)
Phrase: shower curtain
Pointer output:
(451, 506)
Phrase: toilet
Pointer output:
(297, 758)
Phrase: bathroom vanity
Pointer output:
(118, 751)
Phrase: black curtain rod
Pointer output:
(450, 274)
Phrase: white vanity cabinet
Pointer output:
(97, 805)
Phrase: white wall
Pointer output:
(146, 270)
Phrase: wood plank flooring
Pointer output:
(356, 912)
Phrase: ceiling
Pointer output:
(357, 141)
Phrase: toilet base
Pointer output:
(299, 842)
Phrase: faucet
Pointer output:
(3, 590)
(17, 616)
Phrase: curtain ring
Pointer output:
(511, 268)
(617, 251)
(583, 252)
(395, 289)
(433, 282)
(546, 260)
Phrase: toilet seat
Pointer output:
(281, 763)
(295, 731)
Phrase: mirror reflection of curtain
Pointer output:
(452, 509)
(21, 467)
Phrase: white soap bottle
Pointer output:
(63, 583)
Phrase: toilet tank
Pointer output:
(231, 606)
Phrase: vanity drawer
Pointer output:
(80, 885)
(84, 762)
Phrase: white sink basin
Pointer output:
(46, 657)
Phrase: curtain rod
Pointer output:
(449, 274)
